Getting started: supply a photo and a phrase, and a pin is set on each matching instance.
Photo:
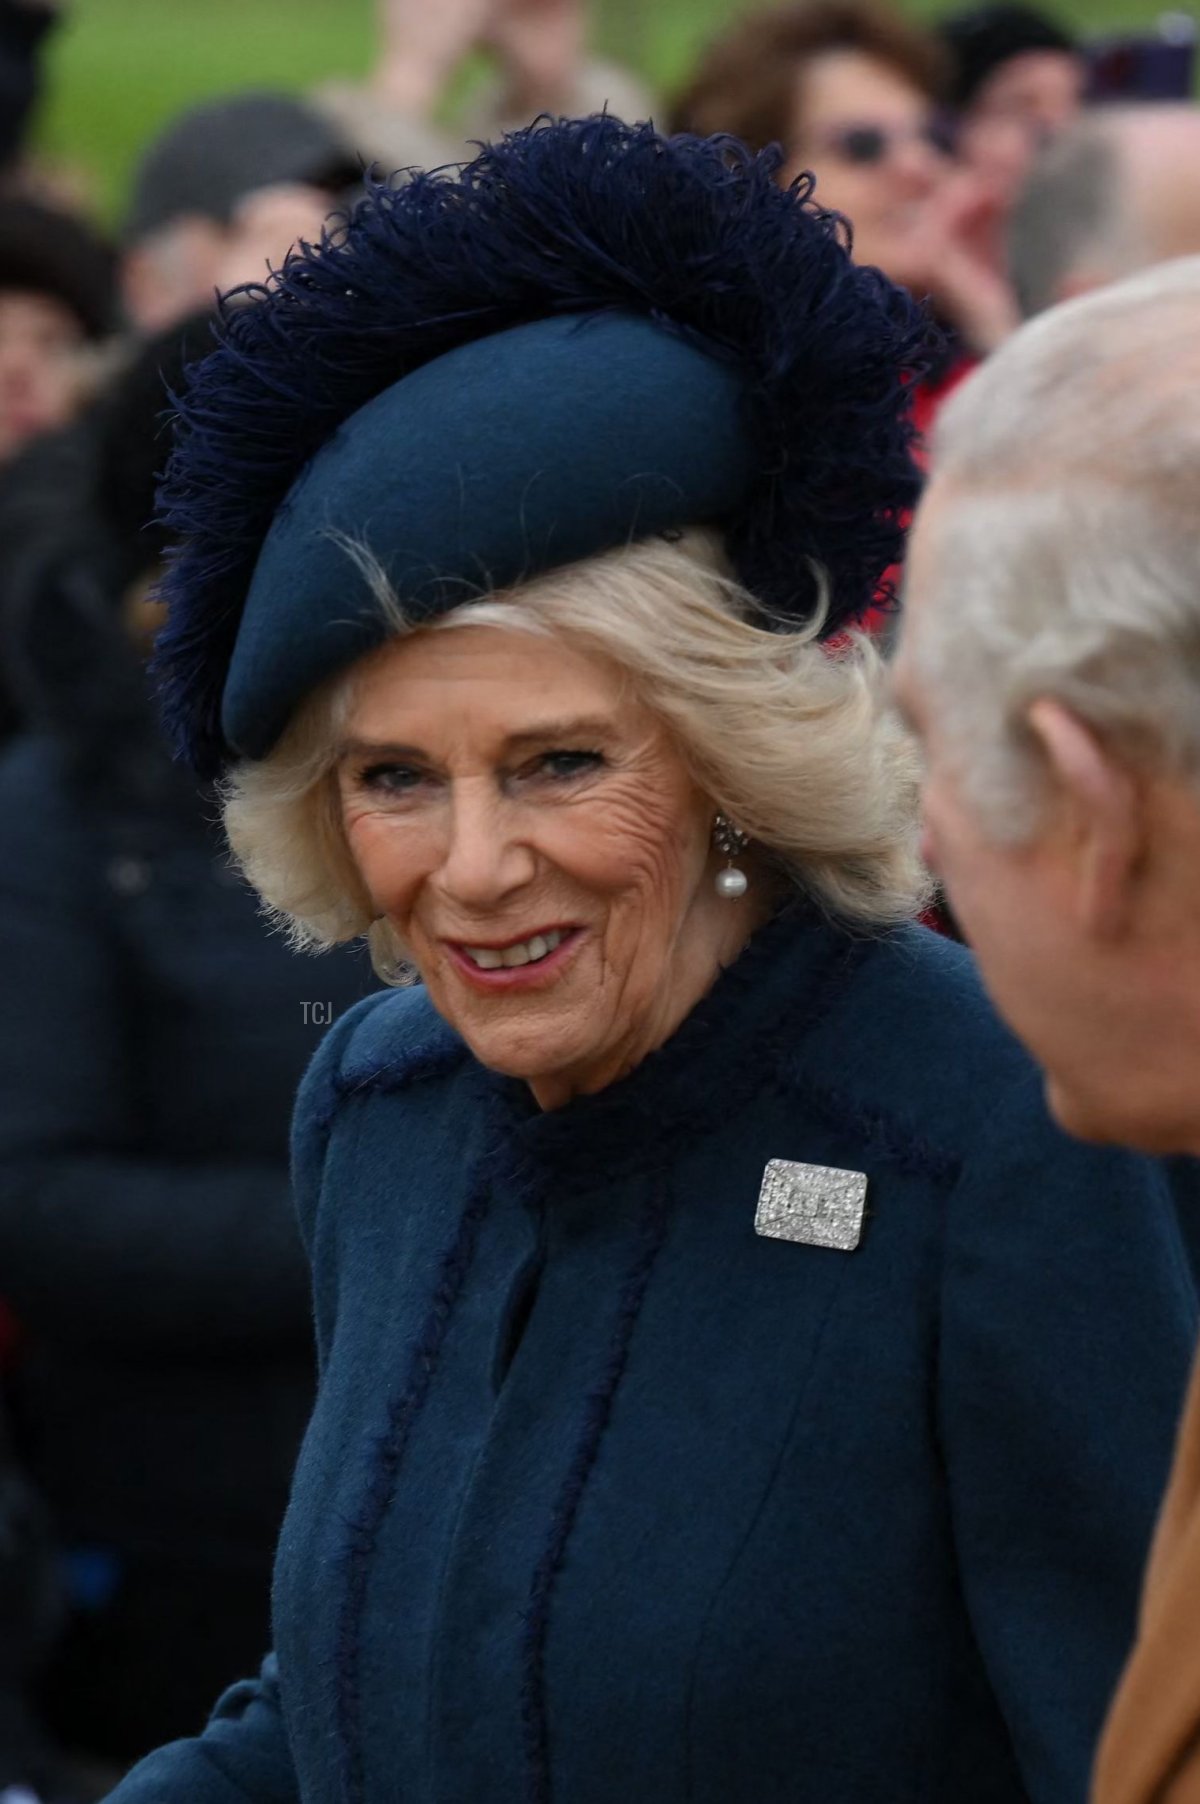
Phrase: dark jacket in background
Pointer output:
(23, 30)
(30, 1617)
(152, 1035)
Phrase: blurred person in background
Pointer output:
(1049, 661)
(57, 306)
(1117, 192)
(152, 1036)
(1017, 79)
(539, 61)
(31, 1770)
(221, 195)
(24, 28)
(855, 93)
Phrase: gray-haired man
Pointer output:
(1115, 192)
(1050, 660)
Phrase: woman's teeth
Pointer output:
(526, 952)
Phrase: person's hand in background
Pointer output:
(539, 45)
(957, 260)
(422, 42)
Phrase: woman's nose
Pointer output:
(485, 858)
(16, 372)
(918, 165)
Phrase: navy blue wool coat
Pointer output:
(606, 1497)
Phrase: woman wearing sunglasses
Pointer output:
(852, 91)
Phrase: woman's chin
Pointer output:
(516, 1056)
(528, 1049)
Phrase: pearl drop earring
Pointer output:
(730, 883)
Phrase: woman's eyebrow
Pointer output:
(582, 727)
(578, 729)
(376, 748)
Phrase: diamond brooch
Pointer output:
(816, 1205)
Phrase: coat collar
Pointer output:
(730, 1047)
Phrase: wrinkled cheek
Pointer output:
(642, 925)
(384, 870)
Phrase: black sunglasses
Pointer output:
(866, 145)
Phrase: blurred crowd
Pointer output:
(155, 1386)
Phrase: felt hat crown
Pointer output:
(588, 335)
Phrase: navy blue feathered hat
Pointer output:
(590, 334)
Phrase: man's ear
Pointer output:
(1098, 804)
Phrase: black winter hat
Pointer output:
(211, 156)
(982, 38)
(47, 252)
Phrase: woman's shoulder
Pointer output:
(915, 1038)
(927, 1065)
(388, 1040)
(931, 1079)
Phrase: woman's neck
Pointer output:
(713, 938)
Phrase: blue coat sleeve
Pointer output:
(1068, 1323)
(242, 1757)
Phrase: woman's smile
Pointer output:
(531, 962)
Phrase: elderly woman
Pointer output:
(732, 1385)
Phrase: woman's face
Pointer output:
(41, 367)
(532, 833)
(870, 138)
(1016, 112)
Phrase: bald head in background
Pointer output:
(1115, 193)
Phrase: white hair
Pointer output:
(1087, 215)
(1060, 552)
(1068, 217)
(791, 740)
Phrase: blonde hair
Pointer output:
(793, 742)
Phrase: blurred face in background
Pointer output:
(42, 367)
(171, 272)
(871, 139)
(178, 269)
(266, 225)
(1019, 108)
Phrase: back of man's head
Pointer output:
(1114, 193)
(1066, 475)
(1050, 655)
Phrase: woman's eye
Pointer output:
(564, 765)
(389, 779)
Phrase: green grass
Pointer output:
(120, 68)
